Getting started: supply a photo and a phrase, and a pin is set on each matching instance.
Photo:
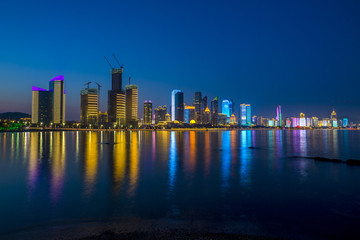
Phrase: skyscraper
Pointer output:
(279, 116)
(204, 105)
(207, 116)
(57, 99)
(177, 105)
(197, 104)
(214, 111)
(231, 107)
(49, 106)
(131, 104)
(302, 121)
(147, 112)
(40, 106)
(116, 98)
(173, 107)
(245, 114)
(225, 107)
(89, 105)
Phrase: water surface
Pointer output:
(241, 180)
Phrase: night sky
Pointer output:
(304, 55)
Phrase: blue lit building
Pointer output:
(245, 114)
(345, 122)
(225, 107)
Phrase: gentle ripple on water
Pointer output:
(238, 177)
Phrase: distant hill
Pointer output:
(14, 115)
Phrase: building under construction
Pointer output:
(116, 97)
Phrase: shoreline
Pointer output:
(137, 228)
(173, 129)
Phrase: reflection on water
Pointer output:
(157, 174)
(245, 159)
(119, 161)
(134, 162)
(172, 162)
(90, 161)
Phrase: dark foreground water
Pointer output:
(209, 179)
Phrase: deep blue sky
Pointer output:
(304, 55)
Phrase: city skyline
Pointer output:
(305, 62)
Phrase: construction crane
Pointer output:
(87, 84)
(99, 86)
(112, 67)
(121, 66)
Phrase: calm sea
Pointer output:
(245, 181)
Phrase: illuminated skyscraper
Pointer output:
(57, 99)
(197, 103)
(49, 106)
(225, 107)
(279, 116)
(147, 112)
(89, 105)
(231, 106)
(131, 104)
(214, 111)
(245, 114)
(173, 107)
(116, 98)
(232, 119)
(345, 122)
(189, 114)
(40, 106)
(207, 116)
(333, 115)
(302, 121)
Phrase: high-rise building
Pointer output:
(160, 114)
(204, 105)
(245, 114)
(279, 116)
(333, 115)
(116, 98)
(315, 122)
(173, 107)
(116, 107)
(179, 106)
(49, 106)
(57, 99)
(131, 96)
(214, 111)
(89, 105)
(40, 106)
(345, 122)
(225, 107)
(302, 120)
(147, 112)
(231, 107)
(189, 114)
(197, 103)
(232, 119)
(207, 116)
